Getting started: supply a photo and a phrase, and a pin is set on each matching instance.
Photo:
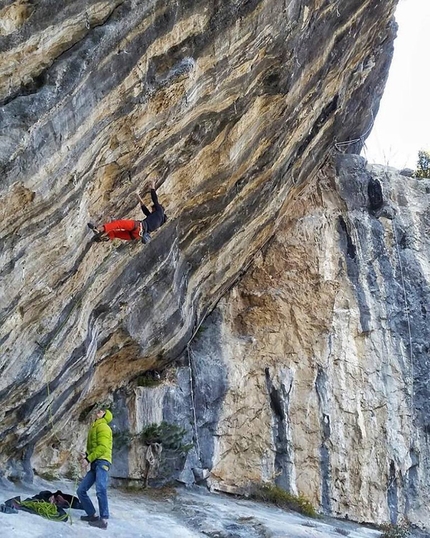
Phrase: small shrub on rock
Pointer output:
(121, 439)
(390, 530)
(149, 379)
(281, 498)
(170, 436)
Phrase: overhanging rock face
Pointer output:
(312, 371)
(234, 104)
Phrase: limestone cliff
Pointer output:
(325, 354)
(236, 105)
(312, 372)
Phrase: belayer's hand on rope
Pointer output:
(84, 464)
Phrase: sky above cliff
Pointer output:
(402, 126)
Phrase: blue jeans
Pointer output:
(98, 473)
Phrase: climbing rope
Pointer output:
(69, 509)
(342, 146)
(44, 509)
(193, 405)
(407, 311)
(152, 458)
(51, 423)
(48, 396)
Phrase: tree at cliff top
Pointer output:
(423, 164)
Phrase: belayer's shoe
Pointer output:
(89, 518)
(100, 523)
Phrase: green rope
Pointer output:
(44, 509)
(69, 511)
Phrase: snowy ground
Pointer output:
(181, 513)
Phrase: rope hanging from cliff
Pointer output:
(193, 405)
(405, 299)
(51, 423)
(342, 146)
(48, 395)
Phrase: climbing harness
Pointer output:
(144, 235)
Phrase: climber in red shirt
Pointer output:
(128, 229)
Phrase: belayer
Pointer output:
(128, 229)
(97, 461)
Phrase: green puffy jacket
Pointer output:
(99, 442)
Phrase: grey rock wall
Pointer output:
(312, 372)
(234, 104)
